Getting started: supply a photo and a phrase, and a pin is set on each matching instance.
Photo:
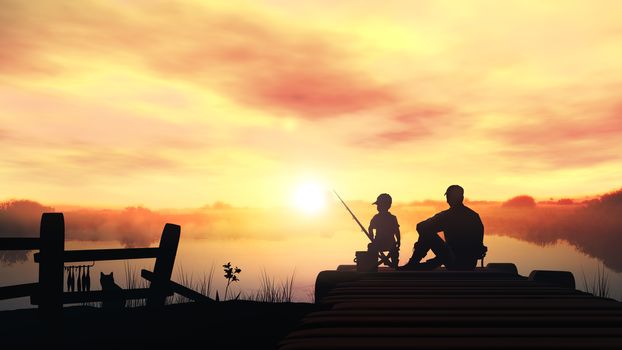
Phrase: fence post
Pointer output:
(52, 240)
(163, 268)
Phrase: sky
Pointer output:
(185, 104)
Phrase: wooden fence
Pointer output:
(48, 292)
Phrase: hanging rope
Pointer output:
(79, 278)
(86, 279)
(83, 278)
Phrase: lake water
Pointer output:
(303, 258)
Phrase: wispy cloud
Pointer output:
(156, 91)
(251, 57)
(582, 138)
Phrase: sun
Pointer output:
(310, 198)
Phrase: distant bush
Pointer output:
(523, 201)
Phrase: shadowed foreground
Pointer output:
(231, 324)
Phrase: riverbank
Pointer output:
(231, 324)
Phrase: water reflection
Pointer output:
(305, 257)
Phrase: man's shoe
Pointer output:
(424, 266)
(410, 266)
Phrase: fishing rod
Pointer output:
(383, 257)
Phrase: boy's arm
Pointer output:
(397, 234)
(372, 225)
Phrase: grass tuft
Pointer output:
(204, 285)
(599, 285)
(272, 291)
(133, 281)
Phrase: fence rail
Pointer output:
(48, 293)
(107, 254)
(10, 243)
(18, 291)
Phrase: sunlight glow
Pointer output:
(310, 198)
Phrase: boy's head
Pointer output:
(383, 202)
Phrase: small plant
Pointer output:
(231, 274)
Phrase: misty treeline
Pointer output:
(141, 227)
(593, 226)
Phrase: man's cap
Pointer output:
(455, 189)
(383, 198)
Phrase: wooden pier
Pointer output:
(489, 308)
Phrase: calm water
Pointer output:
(304, 257)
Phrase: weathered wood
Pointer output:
(481, 309)
(561, 278)
(107, 254)
(48, 293)
(52, 240)
(480, 304)
(465, 312)
(163, 267)
(451, 332)
(437, 283)
(466, 298)
(445, 343)
(445, 291)
(178, 288)
(10, 243)
(462, 321)
(18, 291)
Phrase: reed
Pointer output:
(203, 285)
(272, 291)
(599, 285)
(132, 281)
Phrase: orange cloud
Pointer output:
(388, 138)
(267, 65)
(586, 137)
(256, 61)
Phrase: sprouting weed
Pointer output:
(231, 274)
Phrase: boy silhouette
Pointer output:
(385, 230)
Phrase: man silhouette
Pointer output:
(464, 235)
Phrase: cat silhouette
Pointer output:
(112, 299)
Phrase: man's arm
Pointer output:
(434, 224)
(480, 229)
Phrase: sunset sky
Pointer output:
(115, 103)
